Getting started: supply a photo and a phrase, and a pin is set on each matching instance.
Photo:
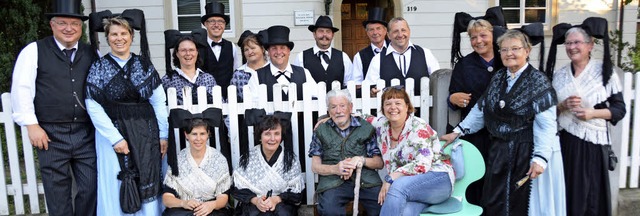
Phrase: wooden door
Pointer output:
(354, 36)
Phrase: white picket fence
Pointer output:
(19, 188)
(233, 109)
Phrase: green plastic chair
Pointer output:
(474, 170)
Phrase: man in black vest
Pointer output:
(326, 64)
(376, 29)
(337, 147)
(47, 96)
(223, 56)
(279, 70)
(402, 59)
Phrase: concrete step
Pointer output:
(629, 202)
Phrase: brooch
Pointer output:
(501, 104)
(490, 69)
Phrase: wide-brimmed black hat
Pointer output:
(66, 8)
(376, 15)
(214, 9)
(278, 35)
(323, 22)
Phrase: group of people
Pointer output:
(104, 119)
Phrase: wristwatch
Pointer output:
(388, 179)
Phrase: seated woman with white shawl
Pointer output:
(269, 181)
(201, 182)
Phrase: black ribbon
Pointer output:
(461, 21)
(171, 38)
(535, 32)
(254, 116)
(597, 27)
(180, 118)
(136, 19)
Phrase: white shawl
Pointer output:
(204, 182)
(259, 177)
(588, 85)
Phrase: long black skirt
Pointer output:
(508, 162)
(586, 176)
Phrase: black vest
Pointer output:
(366, 55)
(60, 84)
(265, 77)
(222, 68)
(335, 70)
(417, 69)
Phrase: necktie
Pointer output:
(282, 73)
(213, 44)
(403, 65)
(69, 53)
(324, 56)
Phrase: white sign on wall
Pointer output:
(303, 17)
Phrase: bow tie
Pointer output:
(213, 44)
(376, 50)
(282, 73)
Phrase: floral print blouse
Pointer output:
(417, 151)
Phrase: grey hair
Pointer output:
(587, 37)
(338, 93)
(516, 35)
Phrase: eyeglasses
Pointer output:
(572, 43)
(397, 87)
(219, 22)
(512, 49)
(65, 24)
(187, 51)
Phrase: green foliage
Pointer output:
(631, 52)
(24, 22)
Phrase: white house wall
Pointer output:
(431, 23)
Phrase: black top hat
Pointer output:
(376, 15)
(66, 8)
(596, 27)
(323, 22)
(214, 9)
(278, 35)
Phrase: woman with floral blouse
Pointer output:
(418, 177)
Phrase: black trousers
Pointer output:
(72, 147)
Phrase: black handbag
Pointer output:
(611, 157)
(129, 196)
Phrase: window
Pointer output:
(520, 12)
(187, 14)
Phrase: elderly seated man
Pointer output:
(338, 145)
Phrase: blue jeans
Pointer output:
(333, 201)
(409, 195)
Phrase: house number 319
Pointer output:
(412, 8)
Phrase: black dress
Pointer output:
(472, 75)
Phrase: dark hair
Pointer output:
(271, 122)
(253, 39)
(176, 61)
(196, 122)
